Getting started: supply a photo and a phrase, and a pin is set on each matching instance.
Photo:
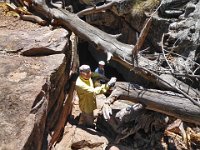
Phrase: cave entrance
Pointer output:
(89, 56)
(85, 57)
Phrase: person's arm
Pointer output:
(96, 70)
(97, 90)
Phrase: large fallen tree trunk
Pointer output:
(114, 49)
(166, 102)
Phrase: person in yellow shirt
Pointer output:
(87, 94)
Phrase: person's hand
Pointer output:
(112, 82)
(107, 111)
(128, 110)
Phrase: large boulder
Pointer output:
(24, 97)
(32, 88)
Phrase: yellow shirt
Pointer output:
(87, 94)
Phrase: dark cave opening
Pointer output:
(85, 57)
(112, 69)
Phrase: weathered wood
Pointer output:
(34, 19)
(169, 103)
(141, 39)
(92, 10)
(143, 36)
(109, 45)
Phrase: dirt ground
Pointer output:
(10, 20)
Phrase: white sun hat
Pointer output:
(84, 68)
(101, 63)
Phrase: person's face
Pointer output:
(101, 66)
(86, 74)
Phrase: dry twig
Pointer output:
(173, 87)
(142, 37)
(93, 10)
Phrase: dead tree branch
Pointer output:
(176, 89)
(164, 54)
(165, 102)
(109, 45)
(142, 37)
(95, 9)
(114, 49)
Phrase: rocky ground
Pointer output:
(23, 80)
(75, 134)
(17, 109)
(77, 137)
(12, 22)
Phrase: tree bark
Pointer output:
(165, 102)
(109, 45)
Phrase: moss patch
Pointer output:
(140, 6)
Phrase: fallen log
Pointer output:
(109, 45)
(166, 102)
